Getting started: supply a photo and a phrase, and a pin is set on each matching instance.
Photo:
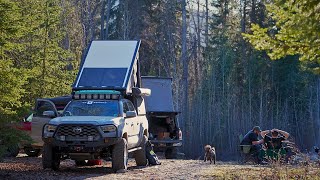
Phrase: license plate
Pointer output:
(77, 148)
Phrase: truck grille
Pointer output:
(77, 133)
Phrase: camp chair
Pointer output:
(245, 154)
(244, 148)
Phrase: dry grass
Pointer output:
(271, 172)
(26, 168)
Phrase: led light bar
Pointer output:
(96, 94)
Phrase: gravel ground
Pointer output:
(23, 167)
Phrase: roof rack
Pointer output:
(98, 88)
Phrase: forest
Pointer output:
(234, 63)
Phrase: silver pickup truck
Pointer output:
(106, 117)
(96, 124)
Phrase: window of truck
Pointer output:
(92, 108)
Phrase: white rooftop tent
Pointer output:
(110, 65)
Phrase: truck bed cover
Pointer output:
(161, 100)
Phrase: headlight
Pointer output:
(50, 128)
(108, 128)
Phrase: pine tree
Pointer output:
(42, 51)
(295, 30)
(12, 79)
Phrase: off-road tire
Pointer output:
(12, 151)
(50, 159)
(32, 152)
(120, 155)
(140, 155)
(171, 153)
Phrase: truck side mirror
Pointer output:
(50, 114)
(131, 114)
(141, 91)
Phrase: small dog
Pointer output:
(210, 154)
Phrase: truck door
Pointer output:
(39, 119)
(129, 121)
(136, 123)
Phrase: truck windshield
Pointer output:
(92, 108)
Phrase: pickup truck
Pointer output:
(106, 117)
(96, 124)
(33, 125)
(164, 129)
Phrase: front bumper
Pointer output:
(81, 146)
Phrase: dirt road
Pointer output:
(25, 168)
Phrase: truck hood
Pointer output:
(94, 120)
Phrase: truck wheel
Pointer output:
(12, 151)
(50, 159)
(171, 153)
(120, 155)
(140, 155)
(32, 152)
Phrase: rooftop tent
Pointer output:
(110, 65)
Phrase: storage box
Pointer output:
(163, 135)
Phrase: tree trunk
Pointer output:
(102, 16)
(107, 19)
(261, 101)
(317, 112)
(207, 25)
(185, 71)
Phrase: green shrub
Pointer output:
(11, 137)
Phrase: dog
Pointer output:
(210, 154)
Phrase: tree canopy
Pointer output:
(294, 29)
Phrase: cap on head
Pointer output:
(256, 128)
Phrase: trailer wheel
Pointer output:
(120, 156)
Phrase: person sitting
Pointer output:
(273, 140)
(252, 138)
